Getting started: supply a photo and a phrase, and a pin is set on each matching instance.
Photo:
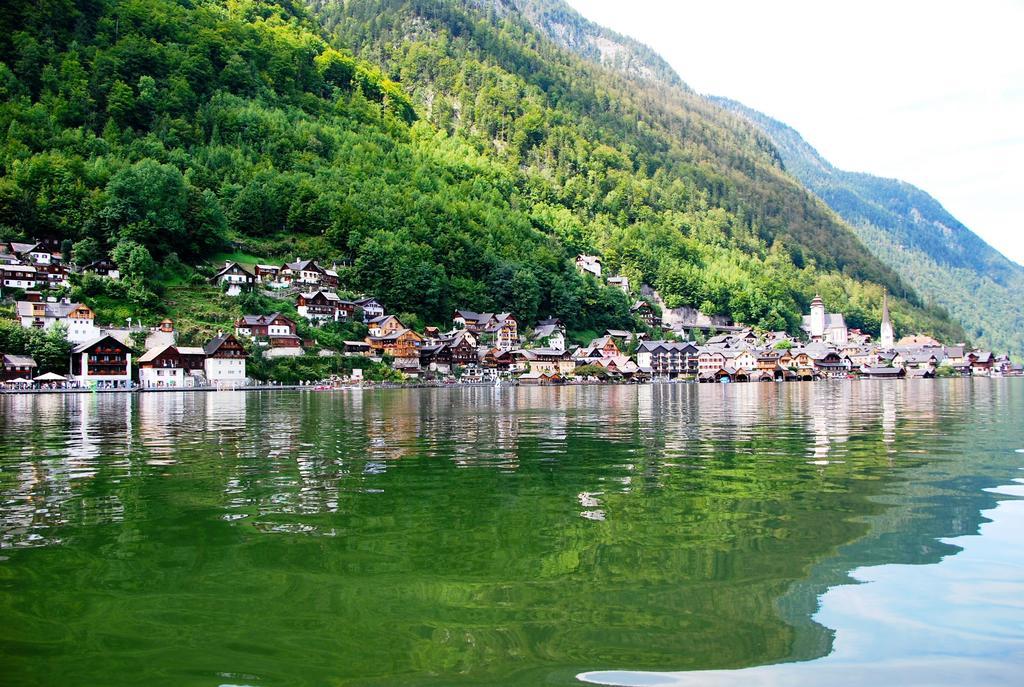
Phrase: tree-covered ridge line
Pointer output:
(168, 131)
(663, 156)
(912, 233)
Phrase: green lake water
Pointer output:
(839, 533)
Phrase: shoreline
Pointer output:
(392, 387)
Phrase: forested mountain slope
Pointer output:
(459, 159)
(912, 233)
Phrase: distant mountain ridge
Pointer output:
(904, 227)
(911, 232)
(568, 29)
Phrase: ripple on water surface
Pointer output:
(467, 536)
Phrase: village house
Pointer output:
(356, 348)
(236, 276)
(917, 341)
(777, 337)
(956, 357)
(550, 333)
(308, 272)
(646, 313)
(38, 253)
(497, 361)
(619, 283)
(802, 363)
(500, 328)
(981, 362)
(17, 367)
(624, 337)
(224, 363)
(920, 362)
(446, 354)
(384, 325)
(193, 360)
(666, 359)
(274, 330)
(602, 347)
(370, 307)
(859, 355)
(855, 337)
(823, 326)
(104, 267)
(402, 345)
(461, 349)
(710, 361)
(104, 360)
(540, 378)
(773, 364)
(618, 365)
(268, 275)
(435, 357)
(883, 372)
(77, 318)
(264, 327)
(545, 361)
(162, 367)
(17, 276)
(828, 362)
(589, 264)
(322, 306)
(52, 275)
(741, 359)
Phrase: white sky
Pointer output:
(930, 92)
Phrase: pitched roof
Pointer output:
(833, 320)
(214, 344)
(883, 371)
(304, 265)
(228, 266)
(329, 295)
(19, 247)
(251, 320)
(366, 301)
(545, 330)
(82, 348)
(191, 350)
(19, 360)
(154, 353)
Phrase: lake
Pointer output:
(841, 533)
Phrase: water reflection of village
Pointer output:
(274, 456)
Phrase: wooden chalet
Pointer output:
(17, 367)
(104, 360)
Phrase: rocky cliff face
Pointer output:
(570, 30)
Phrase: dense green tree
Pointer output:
(194, 128)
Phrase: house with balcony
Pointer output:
(237, 276)
(104, 360)
(274, 331)
(308, 273)
(78, 319)
(162, 368)
(667, 359)
(17, 367)
(324, 306)
(224, 363)
(19, 276)
(589, 264)
(370, 307)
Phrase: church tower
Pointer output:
(817, 324)
(888, 336)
